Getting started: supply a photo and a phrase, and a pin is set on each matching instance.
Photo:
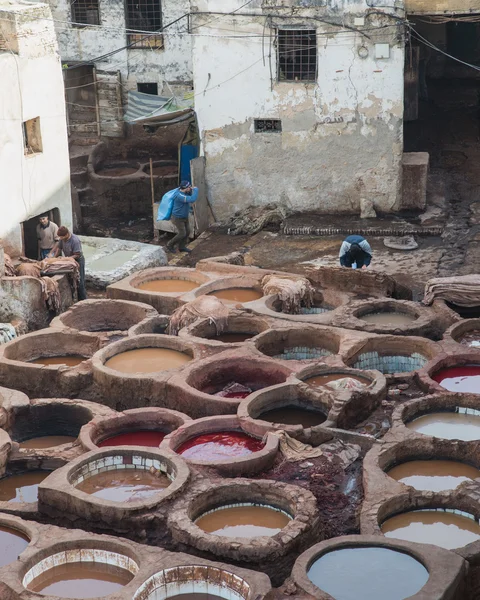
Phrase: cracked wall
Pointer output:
(170, 65)
(341, 137)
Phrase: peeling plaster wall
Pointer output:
(31, 86)
(171, 64)
(342, 137)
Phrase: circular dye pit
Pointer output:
(471, 339)
(145, 437)
(70, 360)
(368, 573)
(125, 485)
(448, 425)
(195, 596)
(445, 529)
(168, 285)
(219, 446)
(47, 441)
(22, 487)
(464, 379)
(237, 294)
(388, 318)
(233, 338)
(117, 170)
(81, 580)
(147, 360)
(325, 380)
(293, 415)
(244, 520)
(12, 543)
(433, 475)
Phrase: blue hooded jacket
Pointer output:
(182, 202)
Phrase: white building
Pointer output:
(300, 102)
(109, 47)
(34, 163)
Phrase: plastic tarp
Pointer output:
(150, 109)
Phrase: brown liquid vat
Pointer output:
(445, 529)
(21, 487)
(116, 468)
(243, 521)
(266, 550)
(125, 485)
(168, 286)
(50, 424)
(433, 475)
(147, 360)
(233, 295)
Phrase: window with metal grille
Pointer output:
(85, 12)
(268, 125)
(297, 54)
(143, 16)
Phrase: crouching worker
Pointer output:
(355, 252)
(70, 245)
(183, 198)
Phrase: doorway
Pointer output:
(442, 95)
(29, 232)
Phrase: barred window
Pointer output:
(267, 125)
(143, 16)
(85, 12)
(297, 54)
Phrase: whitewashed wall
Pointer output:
(31, 86)
(342, 137)
(172, 63)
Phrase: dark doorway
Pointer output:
(29, 232)
(442, 100)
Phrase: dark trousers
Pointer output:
(183, 233)
(82, 292)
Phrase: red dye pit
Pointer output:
(464, 379)
(219, 446)
(151, 439)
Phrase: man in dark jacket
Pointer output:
(355, 250)
(186, 195)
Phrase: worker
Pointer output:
(70, 245)
(46, 236)
(183, 199)
(355, 252)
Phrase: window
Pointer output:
(85, 12)
(268, 125)
(144, 16)
(297, 54)
(32, 137)
(148, 88)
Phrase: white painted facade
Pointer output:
(170, 65)
(342, 136)
(31, 87)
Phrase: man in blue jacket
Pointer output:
(355, 250)
(186, 195)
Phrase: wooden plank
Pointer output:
(201, 208)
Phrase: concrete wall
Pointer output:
(432, 7)
(171, 64)
(342, 136)
(31, 86)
